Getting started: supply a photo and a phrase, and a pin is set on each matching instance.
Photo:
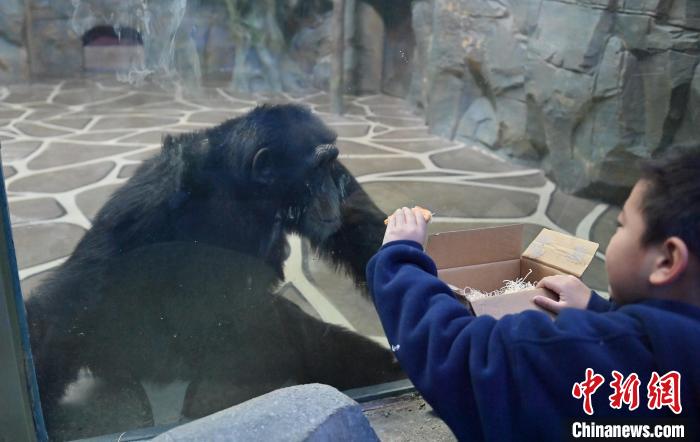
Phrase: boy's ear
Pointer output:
(671, 262)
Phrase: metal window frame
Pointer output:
(21, 418)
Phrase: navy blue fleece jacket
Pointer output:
(512, 379)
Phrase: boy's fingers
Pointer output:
(419, 216)
(552, 283)
(541, 283)
(392, 218)
(398, 217)
(409, 216)
(547, 303)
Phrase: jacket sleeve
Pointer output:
(598, 304)
(471, 369)
(450, 356)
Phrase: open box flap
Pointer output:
(561, 252)
(474, 247)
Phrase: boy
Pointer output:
(525, 377)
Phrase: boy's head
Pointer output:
(655, 251)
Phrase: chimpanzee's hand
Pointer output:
(406, 224)
(572, 293)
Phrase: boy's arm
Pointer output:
(450, 356)
(598, 304)
(465, 366)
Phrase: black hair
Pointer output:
(671, 201)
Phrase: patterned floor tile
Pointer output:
(471, 159)
(61, 180)
(58, 153)
(41, 243)
(90, 201)
(35, 209)
(450, 200)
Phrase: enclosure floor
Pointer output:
(406, 418)
(67, 145)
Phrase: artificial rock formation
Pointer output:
(581, 87)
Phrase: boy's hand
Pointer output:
(572, 293)
(407, 224)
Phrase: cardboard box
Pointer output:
(483, 258)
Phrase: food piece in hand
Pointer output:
(427, 215)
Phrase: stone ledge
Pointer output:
(312, 412)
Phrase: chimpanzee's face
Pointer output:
(295, 163)
(321, 197)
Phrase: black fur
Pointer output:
(175, 278)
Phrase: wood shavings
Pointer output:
(509, 287)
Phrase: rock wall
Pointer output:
(13, 54)
(581, 87)
(197, 41)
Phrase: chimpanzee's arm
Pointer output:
(362, 229)
(333, 355)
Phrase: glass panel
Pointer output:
(179, 254)
(22, 421)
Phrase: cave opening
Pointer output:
(109, 48)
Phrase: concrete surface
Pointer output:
(312, 413)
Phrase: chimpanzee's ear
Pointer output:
(262, 169)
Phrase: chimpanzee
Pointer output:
(176, 278)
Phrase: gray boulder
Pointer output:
(312, 412)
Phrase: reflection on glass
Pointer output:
(175, 281)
